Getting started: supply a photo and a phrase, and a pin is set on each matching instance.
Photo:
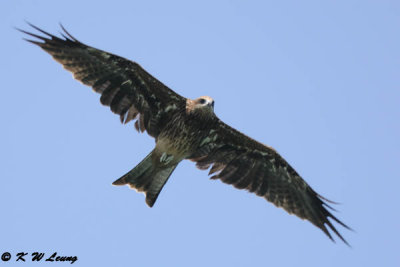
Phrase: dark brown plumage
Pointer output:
(185, 129)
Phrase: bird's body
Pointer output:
(186, 125)
(181, 136)
(185, 129)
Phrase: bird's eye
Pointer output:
(202, 101)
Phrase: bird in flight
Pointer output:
(185, 129)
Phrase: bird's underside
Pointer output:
(185, 129)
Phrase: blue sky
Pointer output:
(316, 80)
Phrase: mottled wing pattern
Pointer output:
(244, 163)
(126, 87)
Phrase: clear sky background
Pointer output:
(317, 80)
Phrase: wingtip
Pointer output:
(33, 42)
(332, 227)
(18, 29)
(27, 22)
(40, 30)
(35, 35)
(67, 33)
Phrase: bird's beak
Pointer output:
(211, 104)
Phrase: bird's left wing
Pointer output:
(238, 160)
(126, 87)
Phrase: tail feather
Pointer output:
(157, 183)
(136, 178)
(147, 177)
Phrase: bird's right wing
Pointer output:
(126, 87)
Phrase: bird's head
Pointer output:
(203, 104)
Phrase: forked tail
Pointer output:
(147, 177)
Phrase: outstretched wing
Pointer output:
(246, 164)
(126, 87)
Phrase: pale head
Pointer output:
(204, 104)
